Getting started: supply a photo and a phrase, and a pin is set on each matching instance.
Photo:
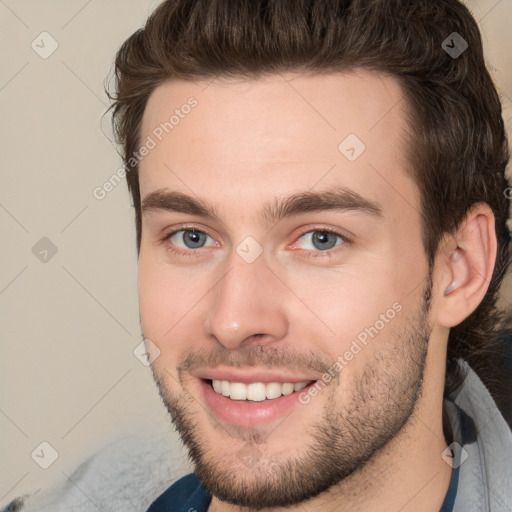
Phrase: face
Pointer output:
(282, 277)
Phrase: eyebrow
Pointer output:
(334, 199)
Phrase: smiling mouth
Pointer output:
(256, 391)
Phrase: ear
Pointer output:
(466, 263)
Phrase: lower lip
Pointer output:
(246, 413)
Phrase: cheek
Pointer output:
(343, 302)
(151, 299)
(166, 297)
(358, 308)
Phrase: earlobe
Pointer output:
(467, 263)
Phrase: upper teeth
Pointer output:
(256, 391)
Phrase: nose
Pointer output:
(247, 305)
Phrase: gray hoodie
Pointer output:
(484, 452)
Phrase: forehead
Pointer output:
(279, 134)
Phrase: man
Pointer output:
(321, 221)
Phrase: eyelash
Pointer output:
(327, 253)
(180, 252)
(309, 254)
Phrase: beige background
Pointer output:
(70, 324)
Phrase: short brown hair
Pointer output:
(458, 148)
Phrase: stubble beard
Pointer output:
(343, 440)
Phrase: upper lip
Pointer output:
(249, 375)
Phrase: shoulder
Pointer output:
(187, 494)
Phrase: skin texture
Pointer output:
(372, 438)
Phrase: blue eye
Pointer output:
(322, 240)
(188, 238)
(190, 242)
